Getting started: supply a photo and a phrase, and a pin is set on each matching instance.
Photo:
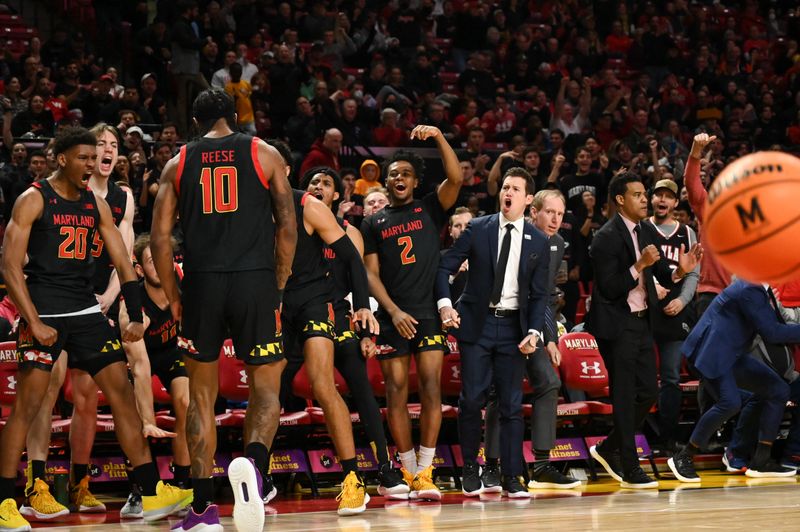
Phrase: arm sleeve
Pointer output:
(346, 252)
(692, 278)
(694, 187)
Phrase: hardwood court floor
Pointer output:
(724, 502)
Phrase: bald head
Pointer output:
(332, 140)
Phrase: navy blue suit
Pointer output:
(719, 347)
(489, 352)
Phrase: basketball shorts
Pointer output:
(429, 337)
(312, 319)
(167, 365)
(90, 342)
(345, 329)
(242, 306)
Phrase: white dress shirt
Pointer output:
(509, 295)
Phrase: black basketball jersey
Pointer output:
(671, 327)
(225, 206)
(162, 332)
(340, 274)
(310, 274)
(60, 263)
(117, 201)
(406, 239)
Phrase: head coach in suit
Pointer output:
(499, 321)
(626, 265)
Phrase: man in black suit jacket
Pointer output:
(626, 261)
(500, 319)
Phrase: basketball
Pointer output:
(752, 220)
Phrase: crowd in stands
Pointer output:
(573, 91)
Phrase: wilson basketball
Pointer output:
(752, 217)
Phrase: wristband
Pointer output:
(133, 302)
(363, 333)
(280, 297)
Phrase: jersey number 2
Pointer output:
(74, 244)
(406, 256)
(220, 189)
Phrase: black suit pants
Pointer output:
(631, 365)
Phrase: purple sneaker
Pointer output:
(207, 521)
(248, 507)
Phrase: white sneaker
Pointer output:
(248, 507)
(133, 508)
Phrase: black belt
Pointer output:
(503, 312)
(641, 314)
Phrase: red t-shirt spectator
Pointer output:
(498, 122)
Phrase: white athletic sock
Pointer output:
(409, 461)
(425, 459)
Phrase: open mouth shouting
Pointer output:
(106, 165)
(85, 179)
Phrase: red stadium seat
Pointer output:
(160, 393)
(582, 368)
(8, 373)
(451, 375)
(232, 375)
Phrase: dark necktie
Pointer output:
(775, 305)
(638, 232)
(500, 270)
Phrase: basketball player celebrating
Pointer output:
(227, 187)
(54, 222)
(106, 287)
(159, 353)
(670, 321)
(325, 185)
(401, 246)
(307, 320)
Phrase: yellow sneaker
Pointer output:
(354, 498)
(422, 487)
(408, 477)
(41, 504)
(10, 518)
(82, 499)
(167, 499)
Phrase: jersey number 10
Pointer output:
(220, 189)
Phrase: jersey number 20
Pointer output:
(74, 244)
(406, 256)
(220, 189)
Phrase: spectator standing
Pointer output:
(324, 152)
(240, 90)
(186, 45)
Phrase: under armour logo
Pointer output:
(586, 367)
(243, 376)
(12, 383)
(456, 373)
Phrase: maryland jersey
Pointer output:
(310, 275)
(406, 239)
(225, 206)
(60, 263)
(117, 201)
(162, 332)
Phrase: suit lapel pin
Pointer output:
(527, 237)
